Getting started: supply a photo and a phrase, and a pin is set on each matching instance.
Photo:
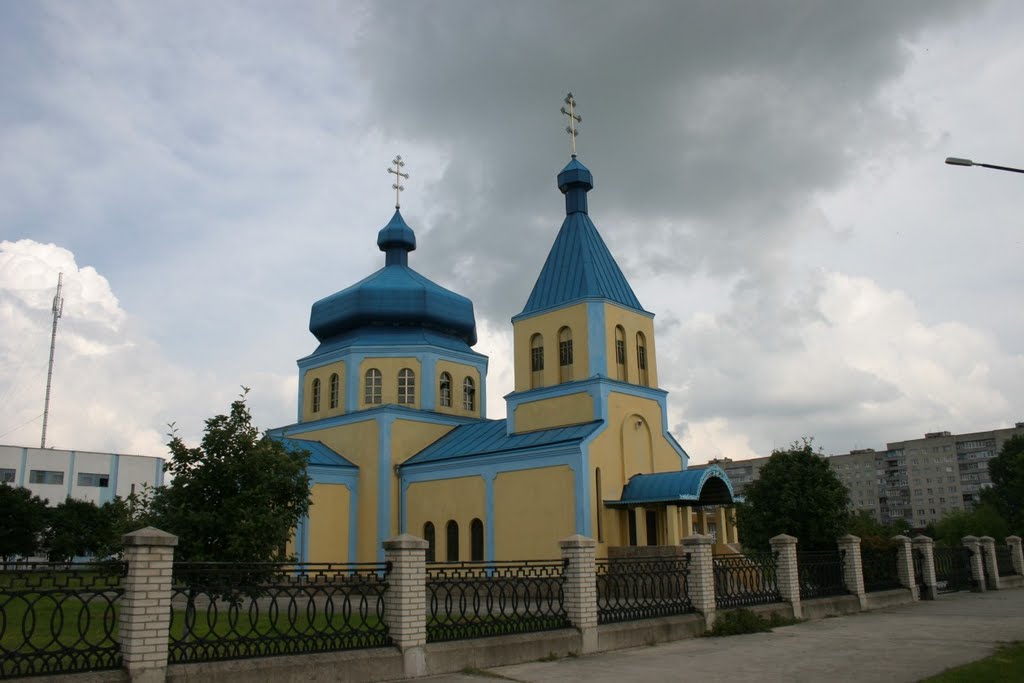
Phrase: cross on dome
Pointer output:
(574, 119)
(397, 172)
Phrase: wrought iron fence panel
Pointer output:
(743, 580)
(984, 562)
(642, 588)
(952, 569)
(222, 610)
(881, 568)
(918, 555)
(480, 599)
(1004, 561)
(58, 618)
(821, 573)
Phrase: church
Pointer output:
(391, 408)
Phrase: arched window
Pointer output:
(406, 386)
(451, 533)
(468, 394)
(641, 357)
(536, 361)
(620, 353)
(428, 536)
(316, 395)
(333, 401)
(565, 354)
(371, 396)
(446, 390)
(476, 540)
(600, 505)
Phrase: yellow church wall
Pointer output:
(328, 523)
(631, 323)
(389, 368)
(440, 501)
(548, 325)
(409, 437)
(459, 372)
(556, 411)
(323, 373)
(533, 510)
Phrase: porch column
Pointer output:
(641, 526)
(734, 534)
(687, 521)
(674, 537)
(721, 534)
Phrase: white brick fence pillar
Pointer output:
(974, 562)
(580, 591)
(853, 570)
(1016, 553)
(988, 547)
(788, 573)
(925, 547)
(405, 602)
(905, 565)
(701, 581)
(145, 618)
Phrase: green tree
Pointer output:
(1007, 492)
(797, 494)
(872, 533)
(983, 520)
(234, 498)
(23, 519)
(79, 528)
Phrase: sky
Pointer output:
(768, 175)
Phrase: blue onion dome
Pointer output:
(396, 296)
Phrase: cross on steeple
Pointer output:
(397, 172)
(574, 118)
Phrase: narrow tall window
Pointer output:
(620, 353)
(451, 533)
(476, 540)
(469, 394)
(316, 396)
(335, 390)
(406, 386)
(428, 536)
(565, 354)
(446, 390)
(600, 506)
(641, 357)
(536, 361)
(371, 396)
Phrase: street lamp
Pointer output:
(956, 161)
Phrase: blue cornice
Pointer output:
(573, 302)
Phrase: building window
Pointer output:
(536, 361)
(476, 541)
(641, 358)
(316, 395)
(7, 475)
(335, 390)
(451, 533)
(620, 353)
(373, 383)
(469, 394)
(45, 477)
(406, 386)
(89, 479)
(446, 390)
(565, 354)
(428, 536)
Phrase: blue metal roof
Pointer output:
(319, 454)
(490, 436)
(685, 486)
(393, 336)
(579, 265)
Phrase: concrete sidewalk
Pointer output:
(898, 644)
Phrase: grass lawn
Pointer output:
(1007, 664)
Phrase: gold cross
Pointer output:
(397, 172)
(574, 118)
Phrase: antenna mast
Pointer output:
(58, 311)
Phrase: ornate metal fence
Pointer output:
(880, 567)
(1004, 561)
(743, 580)
(229, 610)
(479, 599)
(918, 555)
(952, 569)
(642, 588)
(821, 573)
(59, 618)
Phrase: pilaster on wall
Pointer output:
(580, 591)
(701, 579)
(988, 547)
(905, 565)
(405, 602)
(784, 547)
(925, 547)
(853, 570)
(977, 573)
(146, 604)
(1016, 553)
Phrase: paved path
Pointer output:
(900, 644)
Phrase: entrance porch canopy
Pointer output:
(704, 486)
